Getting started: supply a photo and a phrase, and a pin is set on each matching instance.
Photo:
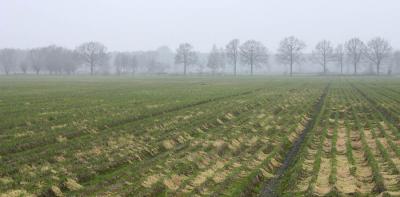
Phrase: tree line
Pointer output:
(94, 58)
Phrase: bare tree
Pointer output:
(222, 59)
(71, 62)
(232, 53)
(154, 63)
(289, 51)
(24, 61)
(216, 59)
(94, 54)
(185, 55)
(36, 57)
(133, 64)
(339, 56)
(23, 65)
(377, 50)
(355, 48)
(253, 53)
(121, 62)
(53, 59)
(323, 53)
(8, 60)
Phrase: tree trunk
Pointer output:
(355, 68)
(377, 69)
(291, 63)
(341, 68)
(234, 67)
(91, 69)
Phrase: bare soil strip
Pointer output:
(345, 182)
(363, 173)
(269, 189)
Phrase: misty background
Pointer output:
(144, 36)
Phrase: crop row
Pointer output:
(105, 159)
(353, 150)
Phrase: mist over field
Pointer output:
(199, 98)
(148, 36)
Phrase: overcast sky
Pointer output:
(147, 24)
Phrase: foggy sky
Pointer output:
(148, 24)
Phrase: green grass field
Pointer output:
(178, 136)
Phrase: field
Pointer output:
(199, 136)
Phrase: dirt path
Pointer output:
(322, 185)
(363, 173)
(345, 182)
